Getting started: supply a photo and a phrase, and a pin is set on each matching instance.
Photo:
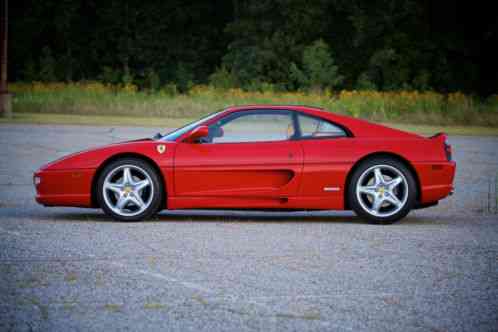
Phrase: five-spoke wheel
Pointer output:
(129, 189)
(382, 190)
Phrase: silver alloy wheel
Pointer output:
(382, 190)
(128, 190)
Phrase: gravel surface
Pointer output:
(68, 269)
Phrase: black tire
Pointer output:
(156, 191)
(361, 208)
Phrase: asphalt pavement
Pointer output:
(69, 269)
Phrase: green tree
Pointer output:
(30, 72)
(267, 36)
(47, 66)
(397, 43)
(184, 77)
(223, 79)
(364, 82)
(110, 75)
(65, 16)
(318, 69)
(152, 80)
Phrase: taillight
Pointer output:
(442, 138)
(447, 151)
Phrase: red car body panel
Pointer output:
(293, 174)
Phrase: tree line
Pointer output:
(266, 44)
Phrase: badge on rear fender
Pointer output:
(161, 148)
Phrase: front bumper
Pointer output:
(64, 187)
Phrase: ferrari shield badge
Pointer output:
(161, 148)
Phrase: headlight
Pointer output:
(36, 180)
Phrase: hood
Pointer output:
(94, 157)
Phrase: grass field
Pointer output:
(97, 103)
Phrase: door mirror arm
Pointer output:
(196, 134)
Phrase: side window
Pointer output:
(253, 127)
(315, 127)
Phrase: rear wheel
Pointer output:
(382, 190)
(129, 189)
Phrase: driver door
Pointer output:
(249, 160)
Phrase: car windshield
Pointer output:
(172, 136)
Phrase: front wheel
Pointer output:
(129, 189)
(382, 190)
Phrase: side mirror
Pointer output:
(216, 131)
(196, 134)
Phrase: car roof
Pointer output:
(273, 106)
(311, 110)
(357, 127)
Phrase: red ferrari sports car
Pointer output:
(258, 157)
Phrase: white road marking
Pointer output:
(3, 230)
(158, 275)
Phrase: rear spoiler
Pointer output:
(439, 137)
(442, 138)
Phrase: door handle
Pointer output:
(283, 200)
